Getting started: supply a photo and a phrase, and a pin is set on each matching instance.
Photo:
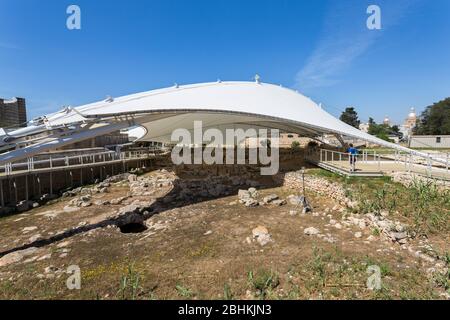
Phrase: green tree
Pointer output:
(395, 129)
(435, 120)
(350, 116)
(381, 131)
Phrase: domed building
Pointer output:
(409, 124)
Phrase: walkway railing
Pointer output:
(373, 161)
(55, 162)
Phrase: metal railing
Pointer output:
(54, 162)
(383, 161)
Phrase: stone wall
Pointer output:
(408, 179)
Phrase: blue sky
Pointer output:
(320, 47)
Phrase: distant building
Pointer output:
(13, 113)
(387, 121)
(364, 127)
(410, 122)
(434, 142)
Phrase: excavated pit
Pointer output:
(134, 227)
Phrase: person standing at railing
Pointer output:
(352, 153)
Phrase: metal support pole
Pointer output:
(33, 181)
(51, 183)
(2, 197)
(9, 191)
(26, 188)
(410, 163)
(15, 192)
(39, 185)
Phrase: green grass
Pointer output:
(424, 206)
(318, 264)
(130, 284)
(184, 291)
(333, 274)
(263, 282)
(227, 294)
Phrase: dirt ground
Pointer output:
(205, 250)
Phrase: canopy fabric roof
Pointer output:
(222, 104)
(219, 105)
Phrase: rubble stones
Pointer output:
(261, 235)
(101, 202)
(270, 198)
(29, 229)
(251, 202)
(17, 256)
(47, 197)
(118, 201)
(253, 192)
(397, 236)
(24, 205)
(279, 202)
(393, 231)
(132, 178)
(243, 194)
(311, 231)
(145, 186)
(247, 197)
(300, 201)
(69, 209)
(295, 200)
(81, 202)
(34, 238)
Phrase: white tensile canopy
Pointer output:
(218, 105)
